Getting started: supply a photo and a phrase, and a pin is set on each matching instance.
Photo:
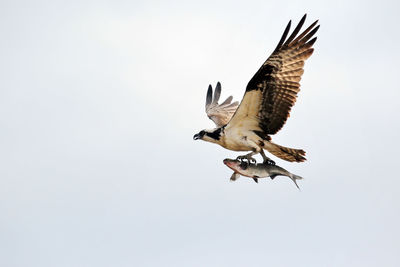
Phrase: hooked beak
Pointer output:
(196, 136)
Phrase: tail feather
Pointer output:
(285, 153)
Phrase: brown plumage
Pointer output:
(278, 78)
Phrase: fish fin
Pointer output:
(294, 178)
(255, 180)
(273, 176)
(234, 176)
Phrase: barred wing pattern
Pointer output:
(220, 114)
(272, 91)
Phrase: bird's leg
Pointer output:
(248, 157)
(266, 159)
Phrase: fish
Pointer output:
(260, 170)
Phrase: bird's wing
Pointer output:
(219, 113)
(272, 91)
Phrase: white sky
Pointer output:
(99, 102)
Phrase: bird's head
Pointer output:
(209, 135)
(199, 135)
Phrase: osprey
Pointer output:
(267, 102)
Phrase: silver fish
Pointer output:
(256, 171)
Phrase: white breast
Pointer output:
(238, 139)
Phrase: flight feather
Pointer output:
(220, 114)
(272, 91)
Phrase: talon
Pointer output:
(269, 162)
(250, 160)
(266, 159)
(241, 158)
(247, 158)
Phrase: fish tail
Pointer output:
(295, 177)
(285, 153)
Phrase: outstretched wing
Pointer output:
(219, 113)
(272, 91)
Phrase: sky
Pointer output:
(99, 101)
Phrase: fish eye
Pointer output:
(201, 133)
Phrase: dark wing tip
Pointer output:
(209, 95)
(296, 30)
(283, 38)
(312, 41)
(217, 93)
(309, 35)
(304, 17)
(302, 38)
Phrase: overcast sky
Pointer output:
(99, 101)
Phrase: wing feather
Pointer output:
(209, 96)
(227, 101)
(304, 33)
(220, 114)
(296, 30)
(217, 93)
(272, 91)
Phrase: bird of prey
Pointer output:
(267, 102)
